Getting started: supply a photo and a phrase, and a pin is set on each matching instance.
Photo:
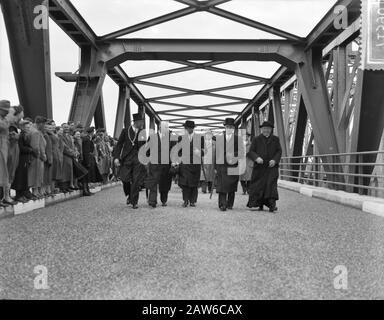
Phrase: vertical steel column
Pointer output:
(340, 72)
(278, 116)
(28, 35)
(99, 115)
(152, 123)
(88, 88)
(314, 90)
(122, 111)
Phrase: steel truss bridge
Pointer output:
(317, 95)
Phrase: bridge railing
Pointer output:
(360, 172)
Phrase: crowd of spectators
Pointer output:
(39, 159)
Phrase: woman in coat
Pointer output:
(20, 182)
(4, 136)
(13, 152)
(36, 169)
(57, 156)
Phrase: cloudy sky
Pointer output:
(104, 16)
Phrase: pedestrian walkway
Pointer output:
(98, 248)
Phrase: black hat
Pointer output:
(189, 124)
(137, 117)
(267, 124)
(90, 130)
(229, 122)
(40, 119)
(5, 105)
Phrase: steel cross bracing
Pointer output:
(327, 97)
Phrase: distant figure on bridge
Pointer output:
(126, 154)
(227, 155)
(189, 171)
(266, 152)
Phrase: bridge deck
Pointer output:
(98, 248)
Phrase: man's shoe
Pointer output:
(86, 194)
(3, 205)
(164, 204)
(223, 209)
(185, 204)
(152, 205)
(273, 209)
(128, 201)
(230, 208)
(21, 200)
(261, 208)
(10, 203)
(135, 207)
(193, 205)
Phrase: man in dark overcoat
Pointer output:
(126, 154)
(159, 168)
(228, 149)
(190, 166)
(266, 153)
(89, 161)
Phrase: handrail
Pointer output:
(357, 176)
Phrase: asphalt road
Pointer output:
(98, 248)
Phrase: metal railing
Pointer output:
(361, 172)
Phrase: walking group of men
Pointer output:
(154, 162)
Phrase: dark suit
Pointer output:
(190, 169)
(263, 188)
(89, 162)
(159, 175)
(227, 182)
(132, 172)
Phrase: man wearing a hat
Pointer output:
(266, 153)
(38, 145)
(190, 168)
(228, 149)
(126, 154)
(89, 161)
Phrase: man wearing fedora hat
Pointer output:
(228, 150)
(126, 156)
(266, 153)
(189, 170)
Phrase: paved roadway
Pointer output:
(97, 248)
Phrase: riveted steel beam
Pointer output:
(150, 23)
(115, 52)
(30, 55)
(311, 80)
(123, 115)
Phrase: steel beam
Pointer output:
(278, 116)
(340, 73)
(30, 56)
(66, 16)
(88, 88)
(254, 24)
(99, 116)
(150, 23)
(314, 90)
(115, 52)
(326, 30)
(123, 112)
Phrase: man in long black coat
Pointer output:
(266, 152)
(126, 154)
(228, 150)
(89, 161)
(190, 169)
(159, 177)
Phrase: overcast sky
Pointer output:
(104, 16)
